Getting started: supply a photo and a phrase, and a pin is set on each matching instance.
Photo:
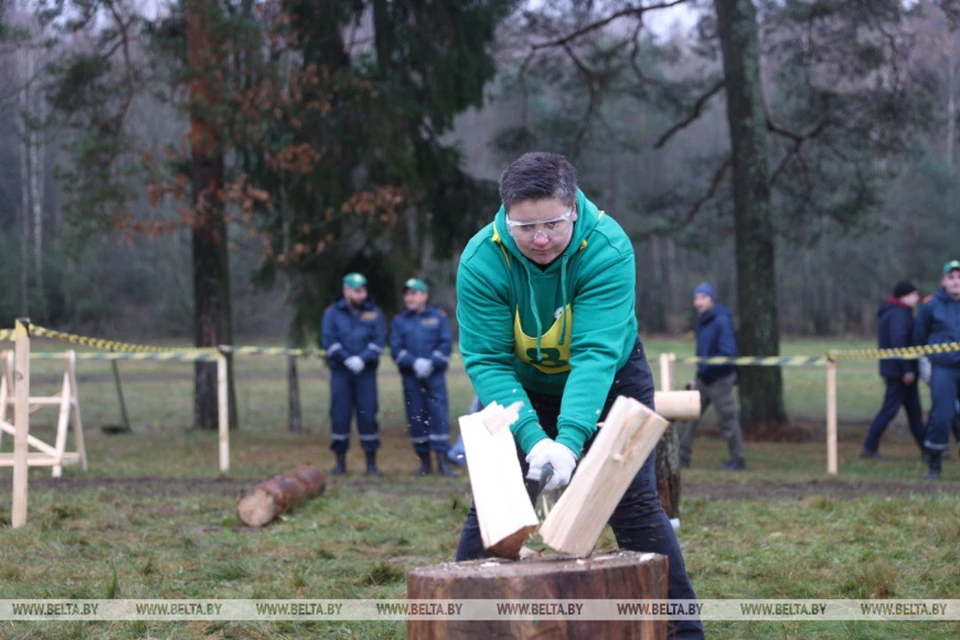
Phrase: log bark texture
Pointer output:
(279, 494)
(617, 575)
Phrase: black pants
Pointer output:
(897, 395)
(639, 522)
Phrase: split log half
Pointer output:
(619, 575)
(504, 512)
(279, 494)
(627, 438)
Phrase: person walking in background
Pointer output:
(353, 333)
(420, 343)
(715, 382)
(894, 331)
(938, 322)
(546, 310)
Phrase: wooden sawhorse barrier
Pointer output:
(67, 399)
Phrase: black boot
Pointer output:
(341, 466)
(372, 464)
(425, 467)
(933, 471)
(443, 467)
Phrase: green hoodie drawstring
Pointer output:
(563, 297)
(563, 309)
(533, 305)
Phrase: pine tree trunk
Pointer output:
(36, 190)
(209, 230)
(951, 101)
(294, 411)
(24, 58)
(761, 388)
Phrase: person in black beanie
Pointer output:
(895, 330)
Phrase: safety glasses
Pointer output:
(552, 228)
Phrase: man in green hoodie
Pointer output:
(546, 311)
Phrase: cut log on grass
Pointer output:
(279, 494)
(629, 434)
(504, 512)
(617, 575)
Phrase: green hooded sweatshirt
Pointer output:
(564, 330)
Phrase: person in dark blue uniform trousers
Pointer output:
(353, 334)
(420, 343)
(938, 322)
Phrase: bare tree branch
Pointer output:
(590, 78)
(629, 11)
(798, 141)
(718, 177)
(697, 109)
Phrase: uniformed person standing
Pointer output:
(420, 343)
(353, 335)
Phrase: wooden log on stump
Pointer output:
(618, 575)
(279, 494)
(677, 405)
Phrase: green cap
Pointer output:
(354, 280)
(950, 266)
(416, 284)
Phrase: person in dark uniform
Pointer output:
(353, 334)
(420, 343)
(938, 322)
(895, 331)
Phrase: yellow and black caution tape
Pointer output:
(175, 356)
(271, 351)
(109, 345)
(6, 334)
(904, 353)
(764, 361)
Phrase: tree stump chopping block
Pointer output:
(279, 494)
(618, 575)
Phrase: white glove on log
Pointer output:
(559, 456)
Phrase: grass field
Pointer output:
(152, 518)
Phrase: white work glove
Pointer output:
(559, 456)
(422, 367)
(354, 363)
(923, 364)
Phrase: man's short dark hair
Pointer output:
(538, 176)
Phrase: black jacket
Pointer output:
(895, 330)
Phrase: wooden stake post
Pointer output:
(666, 371)
(18, 510)
(67, 400)
(831, 417)
(223, 413)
